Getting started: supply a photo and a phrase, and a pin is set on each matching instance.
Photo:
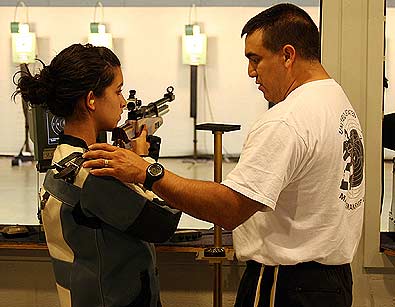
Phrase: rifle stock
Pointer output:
(139, 116)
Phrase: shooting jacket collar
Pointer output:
(72, 140)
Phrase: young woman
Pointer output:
(98, 230)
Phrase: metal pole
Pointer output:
(217, 230)
(194, 139)
(193, 111)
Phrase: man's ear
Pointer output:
(289, 54)
(90, 101)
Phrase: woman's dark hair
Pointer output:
(284, 24)
(74, 72)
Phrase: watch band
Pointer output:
(153, 173)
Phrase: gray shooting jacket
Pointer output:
(99, 233)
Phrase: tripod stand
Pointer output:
(22, 157)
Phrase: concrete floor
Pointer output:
(19, 186)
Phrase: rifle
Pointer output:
(139, 116)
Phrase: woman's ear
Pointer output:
(90, 101)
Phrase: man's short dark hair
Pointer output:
(284, 24)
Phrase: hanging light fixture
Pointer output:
(23, 41)
(194, 43)
(194, 50)
(98, 35)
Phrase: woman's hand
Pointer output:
(139, 144)
(120, 163)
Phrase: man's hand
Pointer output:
(108, 160)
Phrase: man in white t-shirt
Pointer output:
(295, 199)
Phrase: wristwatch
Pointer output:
(153, 173)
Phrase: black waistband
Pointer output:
(305, 265)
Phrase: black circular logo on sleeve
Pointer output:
(353, 158)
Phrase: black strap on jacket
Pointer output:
(60, 185)
(68, 167)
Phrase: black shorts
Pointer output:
(308, 284)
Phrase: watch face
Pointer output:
(155, 169)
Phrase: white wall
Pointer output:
(148, 43)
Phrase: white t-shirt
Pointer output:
(303, 160)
